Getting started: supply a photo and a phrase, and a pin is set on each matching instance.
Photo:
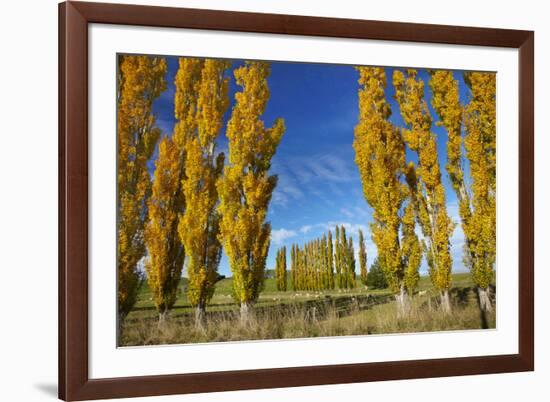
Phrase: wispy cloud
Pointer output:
(302, 176)
(288, 189)
(278, 236)
(321, 167)
(356, 212)
(346, 212)
(331, 168)
(351, 228)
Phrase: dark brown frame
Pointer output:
(74, 383)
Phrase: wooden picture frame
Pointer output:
(74, 381)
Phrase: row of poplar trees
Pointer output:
(403, 194)
(322, 263)
(196, 202)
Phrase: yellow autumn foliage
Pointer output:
(201, 100)
(362, 259)
(477, 204)
(140, 82)
(480, 145)
(380, 158)
(165, 252)
(437, 227)
(280, 269)
(246, 187)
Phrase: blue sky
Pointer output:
(319, 184)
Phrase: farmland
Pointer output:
(296, 314)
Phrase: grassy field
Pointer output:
(297, 314)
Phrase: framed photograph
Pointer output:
(259, 200)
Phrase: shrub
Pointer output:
(376, 278)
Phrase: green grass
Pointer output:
(369, 315)
(223, 299)
(289, 314)
(270, 294)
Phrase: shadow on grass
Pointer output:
(461, 295)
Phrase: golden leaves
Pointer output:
(428, 191)
(280, 269)
(477, 205)
(201, 101)
(362, 258)
(246, 187)
(312, 265)
(380, 158)
(140, 82)
(166, 254)
(480, 145)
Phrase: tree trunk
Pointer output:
(485, 300)
(245, 312)
(162, 318)
(119, 324)
(445, 301)
(402, 302)
(200, 316)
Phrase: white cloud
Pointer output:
(287, 188)
(278, 236)
(305, 229)
(331, 168)
(324, 167)
(346, 212)
(351, 228)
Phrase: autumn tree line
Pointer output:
(322, 263)
(199, 200)
(404, 195)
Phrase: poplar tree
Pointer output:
(344, 258)
(140, 82)
(280, 269)
(412, 247)
(165, 252)
(330, 261)
(246, 187)
(320, 264)
(477, 207)
(310, 268)
(351, 276)
(324, 256)
(298, 279)
(293, 266)
(430, 202)
(301, 271)
(310, 264)
(338, 256)
(306, 267)
(200, 103)
(380, 158)
(316, 269)
(362, 258)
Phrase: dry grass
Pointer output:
(428, 317)
(299, 321)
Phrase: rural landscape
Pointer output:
(276, 200)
